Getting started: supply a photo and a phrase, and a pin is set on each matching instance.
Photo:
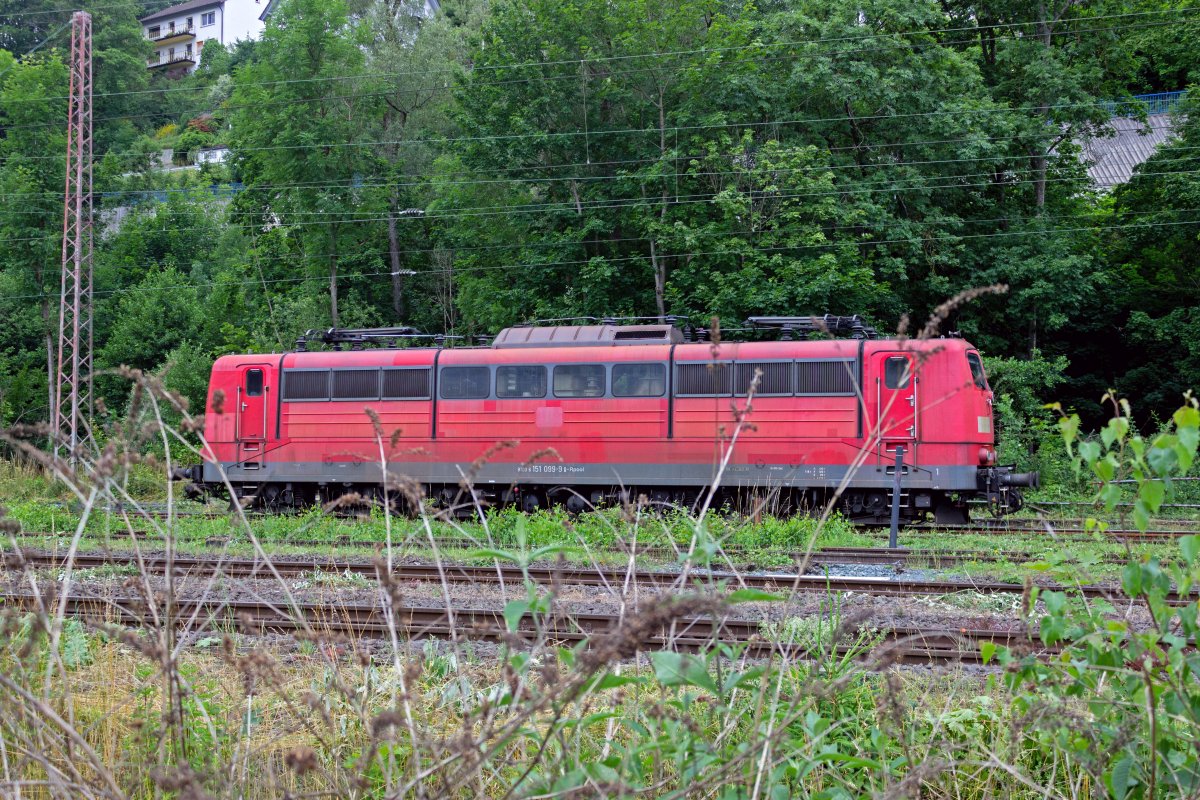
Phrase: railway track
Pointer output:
(903, 557)
(1072, 527)
(684, 632)
(561, 574)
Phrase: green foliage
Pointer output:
(1136, 683)
(691, 157)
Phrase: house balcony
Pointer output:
(171, 35)
(161, 60)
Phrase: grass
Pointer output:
(286, 721)
(139, 713)
(602, 538)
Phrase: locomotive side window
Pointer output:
(579, 380)
(775, 377)
(254, 383)
(406, 384)
(704, 379)
(895, 373)
(520, 381)
(639, 380)
(356, 384)
(825, 377)
(465, 383)
(977, 370)
(309, 384)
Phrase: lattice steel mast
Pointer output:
(73, 397)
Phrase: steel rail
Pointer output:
(562, 574)
(901, 556)
(683, 632)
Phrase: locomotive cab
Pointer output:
(999, 485)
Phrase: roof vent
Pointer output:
(658, 333)
(586, 335)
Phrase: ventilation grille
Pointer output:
(356, 384)
(703, 379)
(825, 377)
(644, 334)
(306, 384)
(406, 384)
(775, 378)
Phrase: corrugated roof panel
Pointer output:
(1112, 159)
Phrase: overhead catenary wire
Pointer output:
(655, 131)
(354, 185)
(360, 95)
(758, 45)
(644, 258)
(571, 206)
(351, 183)
(309, 257)
(676, 129)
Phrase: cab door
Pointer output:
(253, 407)
(896, 399)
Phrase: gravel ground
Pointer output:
(334, 590)
(993, 612)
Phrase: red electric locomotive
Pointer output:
(589, 412)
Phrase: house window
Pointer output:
(153, 32)
(189, 51)
(188, 27)
(208, 18)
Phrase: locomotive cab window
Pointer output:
(639, 380)
(579, 380)
(520, 381)
(896, 373)
(465, 383)
(977, 373)
(254, 383)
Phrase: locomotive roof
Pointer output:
(554, 352)
(586, 335)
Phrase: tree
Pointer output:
(32, 108)
(300, 113)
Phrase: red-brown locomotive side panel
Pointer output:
(825, 415)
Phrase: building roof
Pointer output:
(175, 10)
(1111, 160)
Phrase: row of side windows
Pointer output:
(829, 377)
(568, 380)
(402, 383)
(509, 381)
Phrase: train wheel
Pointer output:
(531, 501)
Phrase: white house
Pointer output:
(180, 31)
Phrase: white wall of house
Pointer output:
(241, 20)
(225, 22)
